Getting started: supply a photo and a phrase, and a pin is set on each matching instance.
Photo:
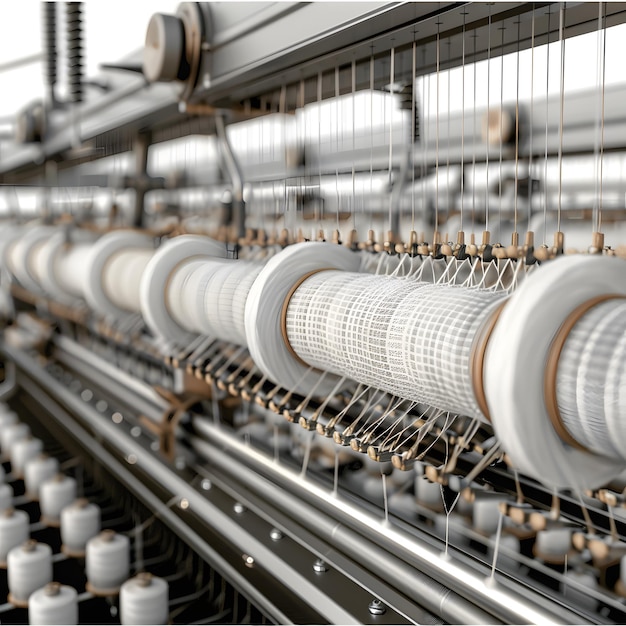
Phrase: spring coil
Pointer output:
(74, 34)
(50, 45)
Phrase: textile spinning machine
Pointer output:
(316, 313)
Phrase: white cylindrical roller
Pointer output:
(162, 302)
(98, 289)
(70, 268)
(209, 297)
(144, 600)
(13, 531)
(107, 561)
(11, 434)
(553, 543)
(29, 567)
(19, 256)
(53, 604)
(22, 451)
(121, 277)
(6, 496)
(37, 471)
(80, 521)
(54, 495)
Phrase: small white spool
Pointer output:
(22, 451)
(6, 496)
(80, 521)
(144, 600)
(11, 434)
(29, 568)
(428, 493)
(14, 530)
(37, 471)
(54, 495)
(588, 581)
(53, 604)
(107, 562)
(485, 514)
(553, 543)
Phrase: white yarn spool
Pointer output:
(29, 568)
(80, 521)
(11, 434)
(144, 600)
(107, 561)
(22, 451)
(6, 496)
(588, 581)
(121, 277)
(37, 471)
(14, 530)
(53, 604)
(554, 542)
(54, 495)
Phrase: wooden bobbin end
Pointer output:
(460, 238)
(537, 521)
(597, 243)
(486, 237)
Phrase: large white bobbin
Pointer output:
(54, 495)
(37, 471)
(268, 296)
(101, 254)
(515, 369)
(156, 277)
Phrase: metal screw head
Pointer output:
(376, 607)
(239, 508)
(248, 560)
(205, 484)
(319, 566)
(275, 534)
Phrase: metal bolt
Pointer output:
(319, 566)
(135, 431)
(248, 560)
(239, 508)
(275, 534)
(376, 607)
(206, 484)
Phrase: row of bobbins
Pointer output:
(29, 564)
